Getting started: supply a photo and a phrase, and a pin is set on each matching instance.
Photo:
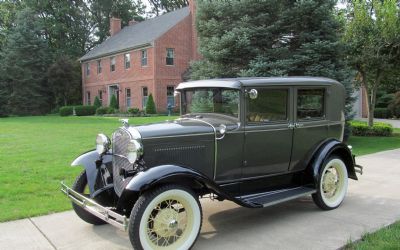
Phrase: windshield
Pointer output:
(211, 100)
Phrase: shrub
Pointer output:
(104, 111)
(150, 105)
(394, 106)
(97, 102)
(382, 113)
(133, 111)
(384, 101)
(66, 110)
(379, 129)
(85, 110)
(113, 102)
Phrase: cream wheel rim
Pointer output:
(170, 221)
(334, 182)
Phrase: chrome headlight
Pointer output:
(135, 150)
(103, 143)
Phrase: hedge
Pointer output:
(66, 110)
(382, 113)
(85, 110)
(104, 111)
(359, 128)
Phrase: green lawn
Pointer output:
(35, 154)
(387, 238)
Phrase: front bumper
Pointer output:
(91, 206)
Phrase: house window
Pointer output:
(170, 96)
(310, 104)
(144, 57)
(101, 96)
(145, 96)
(128, 98)
(127, 61)
(170, 57)
(87, 69)
(88, 101)
(112, 63)
(271, 105)
(99, 69)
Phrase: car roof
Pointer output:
(237, 83)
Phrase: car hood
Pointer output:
(177, 127)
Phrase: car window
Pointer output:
(310, 104)
(269, 106)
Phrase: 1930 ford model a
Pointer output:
(254, 141)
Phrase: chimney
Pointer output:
(195, 50)
(115, 25)
(132, 22)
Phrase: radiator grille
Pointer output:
(120, 140)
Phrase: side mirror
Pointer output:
(253, 93)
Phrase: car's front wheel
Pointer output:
(332, 184)
(168, 217)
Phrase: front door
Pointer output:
(268, 136)
(113, 90)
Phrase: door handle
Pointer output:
(298, 125)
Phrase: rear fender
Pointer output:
(328, 148)
(91, 161)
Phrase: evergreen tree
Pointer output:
(24, 63)
(97, 102)
(271, 38)
(113, 103)
(160, 6)
(150, 105)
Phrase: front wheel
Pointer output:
(332, 184)
(168, 217)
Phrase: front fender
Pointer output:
(91, 161)
(332, 147)
(164, 174)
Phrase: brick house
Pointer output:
(139, 59)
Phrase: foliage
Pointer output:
(159, 6)
(271, 38)
(97, 102)
(114, 102)
(150, 105)
(64, 80)
(384, 100)
(359, 128)
(104, 111)
(85, 110)
(394, 106)
(383, 113)
(66, 111)
(133, 111)
(372, 36)
(37, 153)
(23, 65)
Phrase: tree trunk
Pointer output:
(372, 99)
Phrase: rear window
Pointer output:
(310, 104)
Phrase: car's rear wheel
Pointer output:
(168, 217)
(81, 186)
(332, 184)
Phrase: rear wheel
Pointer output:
(332, 184)
(81, 186)
(168, 217)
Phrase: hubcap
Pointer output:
(330, 182)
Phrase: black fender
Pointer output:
(325, 150)
(164, 174)
(91, 161)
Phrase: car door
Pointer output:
(310, 122)
(268, 135)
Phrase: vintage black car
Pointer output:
(254, 141)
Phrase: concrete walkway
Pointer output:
(372, 203)
(395, 123)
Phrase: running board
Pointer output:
(274, 197)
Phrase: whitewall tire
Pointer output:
(168, 217)
(332, 184)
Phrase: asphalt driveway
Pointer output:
(372, 203)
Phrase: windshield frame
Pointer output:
(183, 103)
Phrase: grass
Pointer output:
(35, 155)
(387, 238)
